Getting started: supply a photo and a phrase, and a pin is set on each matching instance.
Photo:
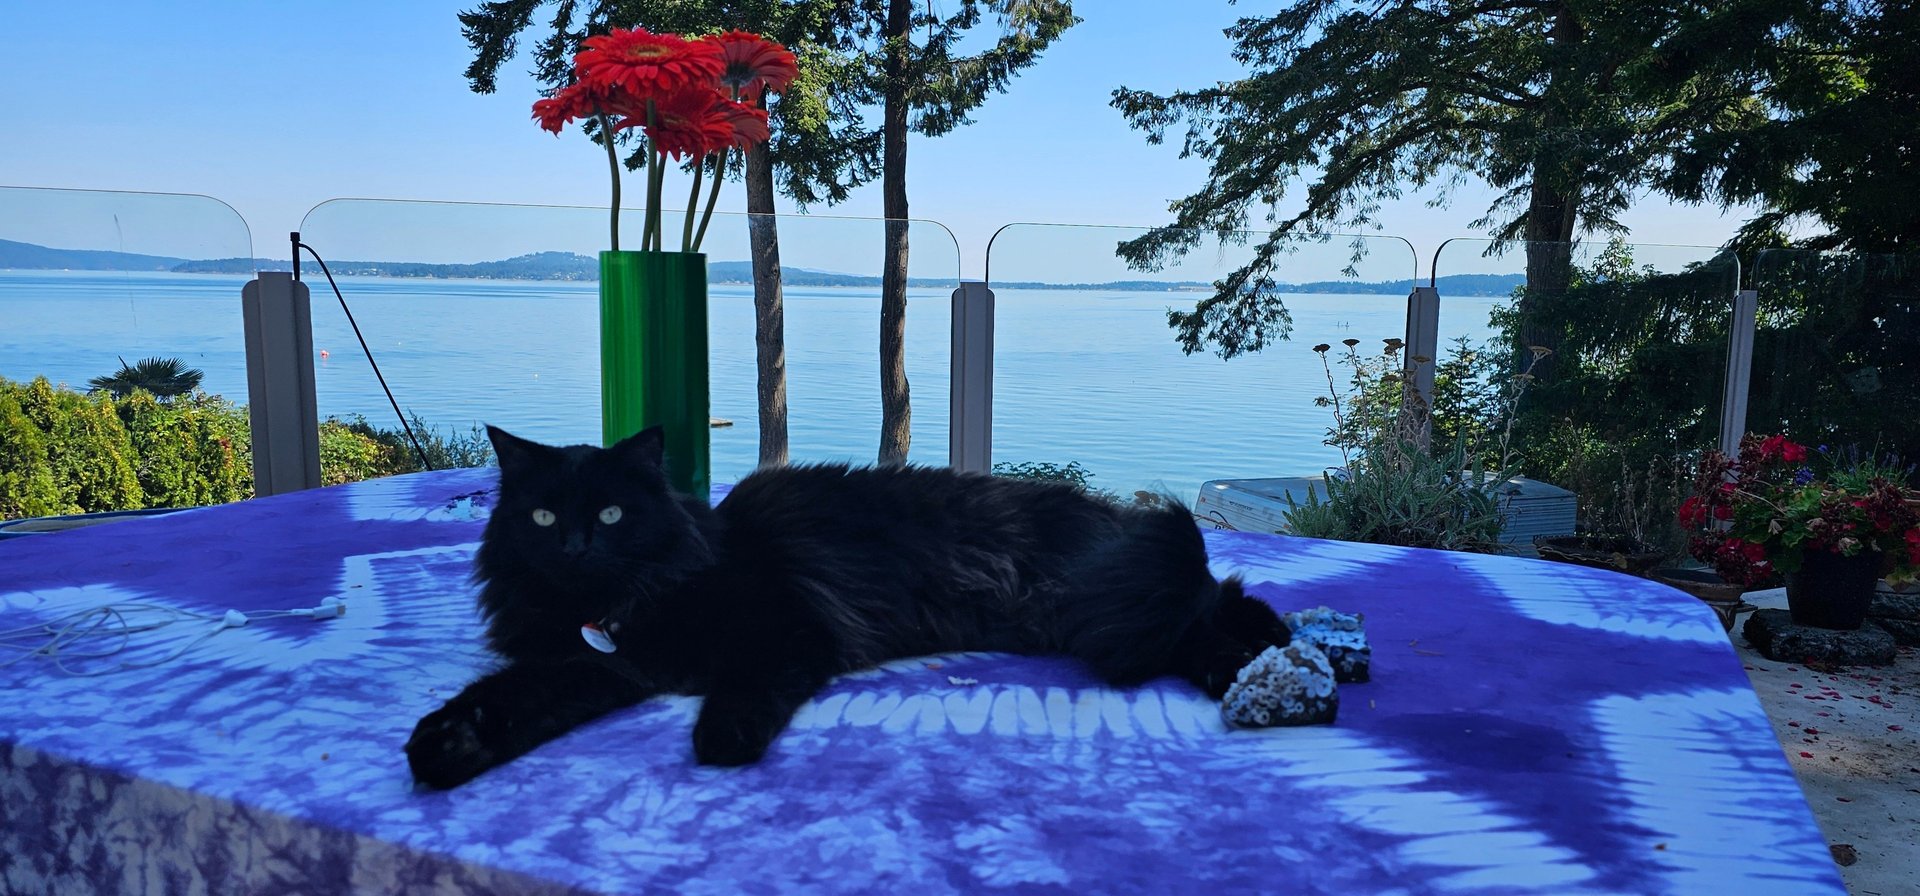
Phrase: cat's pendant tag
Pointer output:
(597, 637)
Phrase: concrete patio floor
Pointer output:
(1853, 737)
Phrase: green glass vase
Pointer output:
(653, 357)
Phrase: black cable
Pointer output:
(297, 246)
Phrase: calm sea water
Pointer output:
(1086, 376)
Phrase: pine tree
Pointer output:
(925, 88)
(1571, 108)
(1831, 142)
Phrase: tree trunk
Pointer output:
(769, 312)
(1549, 236)
(1552, 202)
(896, 414)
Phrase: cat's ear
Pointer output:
(514, 452)
(647, 447)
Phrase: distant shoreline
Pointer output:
(576, 268)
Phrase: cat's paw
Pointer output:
(729, 738)
(453, 744)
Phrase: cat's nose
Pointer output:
(575, 545)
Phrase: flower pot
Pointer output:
(1832, 591)
(1723, 596)
(653, 357)
(1618, 553)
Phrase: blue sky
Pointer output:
(277, 107)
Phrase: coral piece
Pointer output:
(1341, 636)
(1290, 685)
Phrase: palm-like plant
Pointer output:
(163, 377)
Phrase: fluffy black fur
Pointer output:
(803, 573)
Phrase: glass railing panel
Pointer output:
(1836, 358)
(1088, 369)
(92, 285)
(1626, 388)
(488, 314)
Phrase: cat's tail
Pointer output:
(1134, 597)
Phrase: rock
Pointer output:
(1905, 632)
(1895, 605)
(1898, 611)
(1778, 638)
(1341, 636)
(1290, 685)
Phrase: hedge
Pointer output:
(64, 452)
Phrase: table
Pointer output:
(1531, 727)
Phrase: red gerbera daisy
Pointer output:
(689, 122)
(647, 64)
(749, 124)
(581, 99)
(754, 64)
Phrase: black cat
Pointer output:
(803, 573)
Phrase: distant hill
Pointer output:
(1495, 285)
(1113, 285)
(31, 257)
(536, 266)
(570, 266)
(1450, 285)
(742, 272)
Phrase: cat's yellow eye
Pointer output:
(543, 517)
(610, 514)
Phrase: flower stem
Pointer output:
(655, 160)
(613, 165)
(1339, 424)
(654, 217)
(693, 204)
(713, 196)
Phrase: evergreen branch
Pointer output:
(491, 31)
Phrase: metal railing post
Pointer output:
(1733, 396)
(284, 414)
(970, 408)
(1423, 339)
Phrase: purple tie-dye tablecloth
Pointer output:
(1531, 727)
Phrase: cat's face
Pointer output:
(581, 516)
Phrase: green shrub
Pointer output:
(27, 486)
(1397, 486)
(1404, 495)
(355, 449)
(1633, 396)
(350, 453)
(88, 451)
(1071, 472)
(472, 449)
(191, 451)
(65, 452)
